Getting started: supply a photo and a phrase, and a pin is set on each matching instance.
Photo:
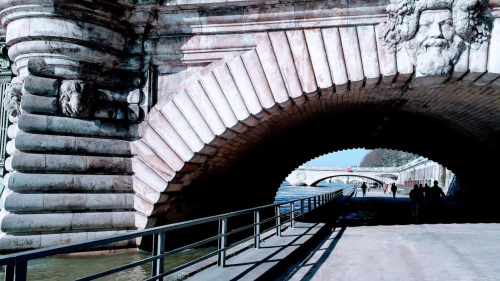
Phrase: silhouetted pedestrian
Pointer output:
(417, 198)
(394, 188)
(364, 187)
(385, 187)
(436, 193)
(427, 193)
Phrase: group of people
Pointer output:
(391, 188)
(425, 195)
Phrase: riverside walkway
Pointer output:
(375, 238)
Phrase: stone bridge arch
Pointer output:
(379, 180)
(293, 78)
(313, 175)
(241, 89)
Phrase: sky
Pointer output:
(346, 158)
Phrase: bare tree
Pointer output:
(386, 158)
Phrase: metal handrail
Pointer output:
(17, 263)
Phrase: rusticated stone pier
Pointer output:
(131, 114)
(70, 170)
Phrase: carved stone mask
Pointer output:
(12, 99)
(75, 99)
(435, 49)
(434, 32)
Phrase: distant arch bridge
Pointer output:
(311, 176)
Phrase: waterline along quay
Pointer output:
(209, 140)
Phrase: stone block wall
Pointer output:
(74, 108)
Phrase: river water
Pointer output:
(59, 268)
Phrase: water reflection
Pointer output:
(70, 267)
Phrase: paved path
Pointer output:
(253, 263)
(376, 238)
(368, 243)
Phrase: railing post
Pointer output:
(160, 249)
(257, 229)
(278, 221)
(9, 272)
(154, 252)
(292, 214)
(308, 204)
(302, 206)
(315, 203)
(221, 261)
(21, 271)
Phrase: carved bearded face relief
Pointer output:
(75, 99)
(434, 33)
(12, 99)
(435, 48)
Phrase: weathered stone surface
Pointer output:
(62, 202)
(13, 130)
(76, 127)
(70, 163)
(21, 182)
(86, 71)
(41, 86)
(12, 100)
(14, 223)
(67, 144)
(39, 104)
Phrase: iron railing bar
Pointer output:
(241, 241)
(117, 269)
(286, 213)
(241, 229)
(211, 254)
(62, 249)
(84, 245)
(150, 259)
(269, 229)
(268, 220)
(175, 269)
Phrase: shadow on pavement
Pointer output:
(377, 208)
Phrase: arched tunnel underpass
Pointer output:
(272, 151)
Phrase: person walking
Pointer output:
(436, 193)
(417, 198)
(394, 188)
(364, 187)
(427, 194)
(384, 186)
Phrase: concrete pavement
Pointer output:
(376, 238)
